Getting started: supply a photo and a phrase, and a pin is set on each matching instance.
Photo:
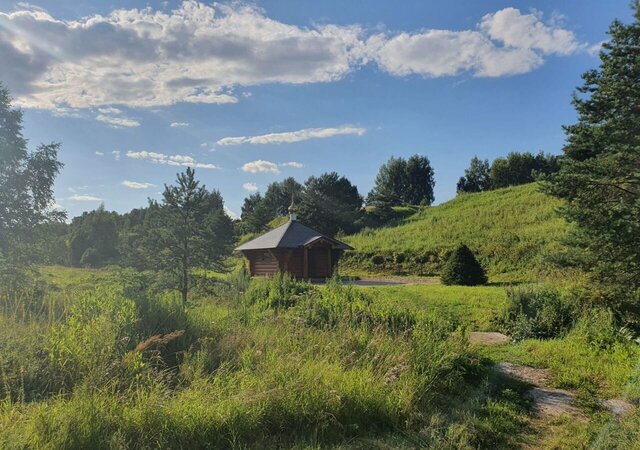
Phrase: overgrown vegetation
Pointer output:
(278, 363)
(535, 312)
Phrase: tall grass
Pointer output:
(278, 363)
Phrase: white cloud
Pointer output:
(99, 153)
(110, 110)
(437, 53)
(116, 155)
(178, 124)
(506, 43)
(294, 164)
(527, 31)
(137, 185)
(260, 166)
(250, 187)
(117, 121)
(201, 53)
(292, 136)
(230, 213)
(84, 198)
(144, 58)
(171, 160)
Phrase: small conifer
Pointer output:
(462, 268)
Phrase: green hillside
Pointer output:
(511, 230)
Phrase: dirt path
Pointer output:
(548, 402)
(488, 338)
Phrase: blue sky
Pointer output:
(251, 93)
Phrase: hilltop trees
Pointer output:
(512, 170)
(26, 188)
(404, 182)
(279, 195)
(476, 177)
(329, 202)
(600, 174)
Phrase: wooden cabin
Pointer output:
(295, 249)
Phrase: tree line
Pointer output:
(512, 170)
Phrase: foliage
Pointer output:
(188, 229)
(281, 194)
(251, 373)
(535, 312)
(512, 170)
(476, 177)
(93, 238)
(330, 203)
(401, 181)
(26, 190)
(511, 231)
(600, 174)
(462, 268)
(255, 214)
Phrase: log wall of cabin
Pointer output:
(262, 263)
(271, 262)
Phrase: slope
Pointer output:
(511, 230)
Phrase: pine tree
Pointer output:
(462, 268)
(188, 229)
(600, 173)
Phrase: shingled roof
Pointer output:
(290, 235)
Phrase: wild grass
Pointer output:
(273, 363)
(469, 306)
(511, 230)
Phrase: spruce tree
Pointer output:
(462, 268)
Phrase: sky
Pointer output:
(252, 93)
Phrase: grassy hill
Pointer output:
(511, 230)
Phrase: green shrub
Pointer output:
(280, 292)
(462, 268)
(535, 312)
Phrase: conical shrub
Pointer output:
(462, 268)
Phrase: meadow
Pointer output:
(103, 359)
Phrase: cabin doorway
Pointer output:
(319, 262)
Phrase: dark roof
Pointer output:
(290, 235)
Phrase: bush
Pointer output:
(90, 258)
(462, 268)
(280, 292)
(535, 312)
